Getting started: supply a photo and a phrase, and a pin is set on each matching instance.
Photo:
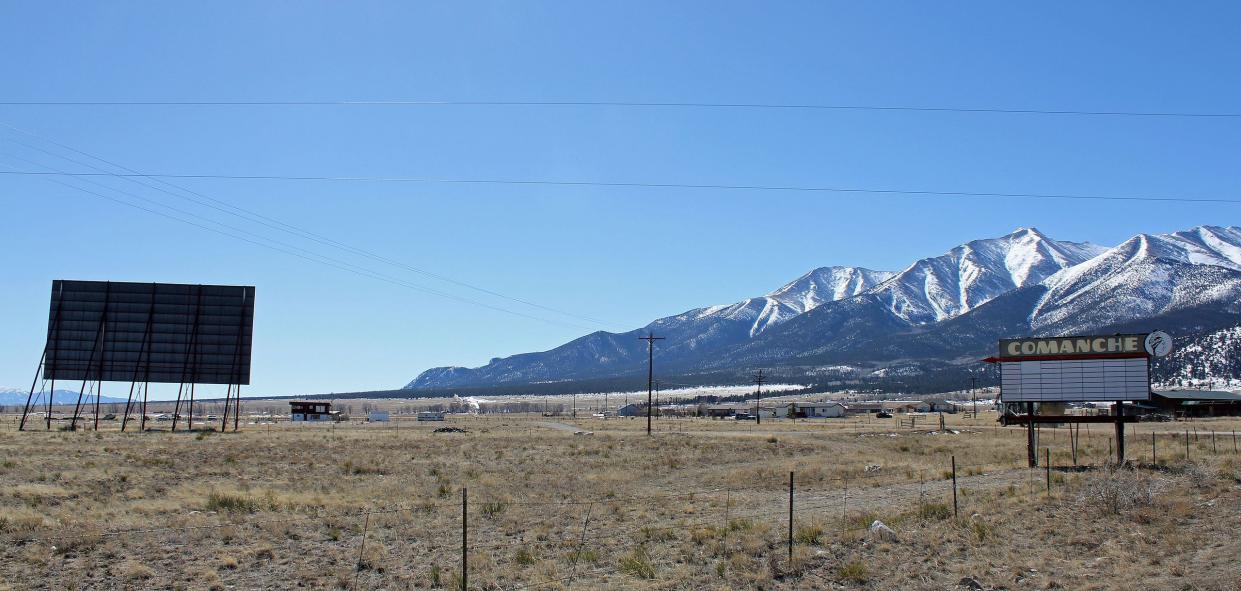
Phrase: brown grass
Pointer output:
(703, 504)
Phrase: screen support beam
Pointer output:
(185, 364)
(1031, 445)
(98, 344)
(143, 351)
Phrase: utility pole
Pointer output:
(650, 339)
(759, 378)
(973, 393)
(656, 393)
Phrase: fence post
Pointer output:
(1073, 435)
(1234, 441)
(1213, 448)
(580, 544)
(357, 569)
(1153, 461)
(1187, 445)
(844, 511)
(954, 487)
(465, 538)
(790, 517)
(1047, 460)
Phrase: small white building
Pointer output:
(378, 416)
(810, 410)
(818, 410)
(430, 415)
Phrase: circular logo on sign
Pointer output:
(1158, 343)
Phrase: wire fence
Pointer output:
(561, 538)
(573, 538)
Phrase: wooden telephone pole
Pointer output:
(759, 379)
(650, 339)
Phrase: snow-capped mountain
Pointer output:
(936, 314)
(946, 286)
(825, 284)
(17, 396)
(690, 335)
(1145, 276)
(1212, 359)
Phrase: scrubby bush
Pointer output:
(230, 503)
(638, 564)
(1117, 490)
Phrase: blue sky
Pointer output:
(623, 255)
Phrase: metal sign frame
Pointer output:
(146, 333)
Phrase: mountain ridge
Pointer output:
(939, 311)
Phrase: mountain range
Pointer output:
(17, 396)
(919, 327)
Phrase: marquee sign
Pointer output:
(1078, 368)
(1114, 346)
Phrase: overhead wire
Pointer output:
(620, 104)
(136, 177)
(294, 250)
(655, 185)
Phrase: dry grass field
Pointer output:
(702, 504)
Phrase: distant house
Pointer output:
(893, 406)
(1197, 403)
(378, 416)
(941, 405)
(866, 407)
(430, 415)
(311, 411)
(721, 411)
(906, 406)
(816, 410)
(631, 410)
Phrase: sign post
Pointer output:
(1098, 368)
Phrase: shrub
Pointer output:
(373, 557)
(854, 571)
(702, 535)
(584, 555)
(740, 525)
(136, 572)
(493, 508)
(230, 503)
(1119, 490)
(934, 511)
(657, 534)
(808, 534)
(638, 564)
(524, 556)
(264, 552)
(980, 529)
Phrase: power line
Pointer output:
(225, 207)
(292, 250)
(642, 185)
(615, 104)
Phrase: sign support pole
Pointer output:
(1120, 432)
(1031, 453)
